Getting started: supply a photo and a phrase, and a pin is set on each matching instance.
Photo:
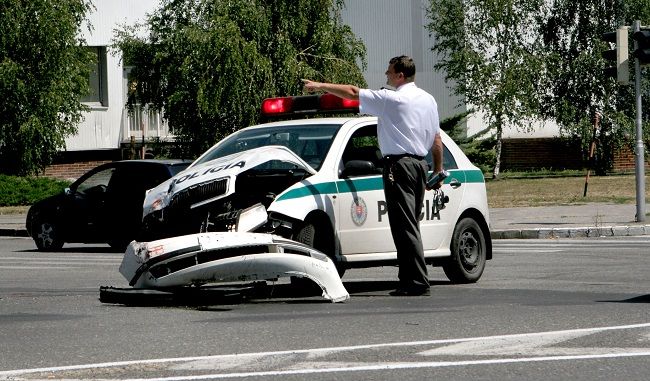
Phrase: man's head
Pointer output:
(400, 71)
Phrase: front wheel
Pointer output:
(468, 253)
(47, 236)
(311, 235)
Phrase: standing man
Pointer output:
(408, 127)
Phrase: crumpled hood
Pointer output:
(227, 167)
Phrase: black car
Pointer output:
(104, 205)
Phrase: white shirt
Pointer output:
(408, 118)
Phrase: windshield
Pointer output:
(311, 142)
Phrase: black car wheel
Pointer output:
(468, 253)
(311, 235)
(47, 236)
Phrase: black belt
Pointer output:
(401, 156)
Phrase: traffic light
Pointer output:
(642, 51)
(618, 56)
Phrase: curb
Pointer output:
(573, 232)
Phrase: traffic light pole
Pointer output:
(639, 150)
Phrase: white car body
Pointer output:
(347, 211)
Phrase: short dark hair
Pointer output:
(404, 65)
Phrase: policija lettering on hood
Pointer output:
(218, 168)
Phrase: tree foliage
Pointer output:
(44, 71)
(208, 64)
(486, 48)
(540, 59)
(576, 86)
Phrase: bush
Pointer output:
(17, 191)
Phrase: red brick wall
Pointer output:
(555, 153)
(540, 153)
(71, 165)
(624, 161)
(72, 171)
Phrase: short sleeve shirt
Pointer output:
(408, 118)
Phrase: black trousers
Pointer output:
(404, 186)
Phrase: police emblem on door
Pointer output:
(358, 211)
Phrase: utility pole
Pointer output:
(640, 49)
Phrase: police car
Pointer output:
(318, 181)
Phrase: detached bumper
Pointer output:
(197, 259)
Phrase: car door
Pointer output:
(125, 196)
(362, 218)
(361, 214)
(86, 204)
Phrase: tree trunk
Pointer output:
(497, 160)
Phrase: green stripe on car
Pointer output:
(363, 185)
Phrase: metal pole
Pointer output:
(639, 164)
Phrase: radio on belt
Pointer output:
(438, 177)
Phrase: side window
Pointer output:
(98, 71)
(364, 146)
(97, 181)
(448, 161)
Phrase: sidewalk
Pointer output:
(588, 220)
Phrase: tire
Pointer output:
(468, 253)
(309, 235)
(46, 236)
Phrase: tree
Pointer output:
(44, 71)
(486, 48)
(208, 64)
(576, 86)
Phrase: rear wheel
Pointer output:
(47, 236)
(317, 237)
(468, 253)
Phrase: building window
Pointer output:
(98, 95)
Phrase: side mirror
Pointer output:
(359, 168)
(67, 191)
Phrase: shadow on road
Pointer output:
(299, 291)
(636, 299)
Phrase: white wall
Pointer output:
(394, 27)
(391, 28)
(102, 127)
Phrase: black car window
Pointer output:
(96, 181)
(448, 161)
(363, 145)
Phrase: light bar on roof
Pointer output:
(308, 104)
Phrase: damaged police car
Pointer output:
(318, 181)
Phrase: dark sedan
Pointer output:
(102, 206)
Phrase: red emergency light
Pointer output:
(308, 104)
(275, 106)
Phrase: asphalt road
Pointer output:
(544, 310)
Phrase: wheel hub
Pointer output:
(469, 250)
(45, 234)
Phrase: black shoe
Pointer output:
(411, 291)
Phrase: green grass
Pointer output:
(22, 191)
(541, 191)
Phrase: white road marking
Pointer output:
(527, 251)
(244, 358)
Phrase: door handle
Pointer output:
(455, 183)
